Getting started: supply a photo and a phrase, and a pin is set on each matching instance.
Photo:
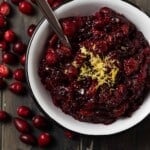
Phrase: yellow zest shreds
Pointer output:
(103, 70)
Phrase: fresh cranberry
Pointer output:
(4, 71)
(51, 57)
(24, 111)
(9, 36)
(2, 84)
(22, 125)
(40, 122)
(16, 2)
(19, 74)
(28, 139)
(25, 7)
(3, 21)
(9, 58)
(69, 28)
(69, 134)
(4, 116)
(44, 139)
(31, 29)
(5, 8)
(3, 45)
(17, 88)
(19, 47)
(23, 59)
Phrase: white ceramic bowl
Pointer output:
(35, 51)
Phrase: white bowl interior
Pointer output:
(76, 8)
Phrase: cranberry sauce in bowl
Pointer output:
(105, 74)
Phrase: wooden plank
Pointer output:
(137, 138)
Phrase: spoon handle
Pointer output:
(53, 21)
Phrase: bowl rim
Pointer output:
(40, 107)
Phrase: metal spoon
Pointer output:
(53, 21)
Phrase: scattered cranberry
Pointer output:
(16, 2)
(19, 74)
(24, 111)
(22, 125)
(17, 88)
(40, 122)
(3, 45)
(9, 36)
(5, 8)
(28, 139)
(3, 21)
(31, 29)
(51, 57)
(4, 116)
(44, 139)
(23, 59)
(25, 7)
(4, 71)
(69, 134)
(9, 58)
(2, 84)
(19, 47)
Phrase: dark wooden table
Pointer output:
(136, 138)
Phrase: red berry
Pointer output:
(19, 47)
(23, 59)
(9, 36)
(51, 57)
(19, 74)
(31, 29)
(2, 84)
(5, 8)
(4, 71)
(3, 45)
(28, 139)
(4, 116)
(44, 139)
(3, 21)
(24, 111)
(17, 88)
(16, 2)
(69, 134)
(40, 122)
(22, 125)
(25, 7)
(9, 58)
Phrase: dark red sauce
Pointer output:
(83, 90)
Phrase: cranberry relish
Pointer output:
(105, 74)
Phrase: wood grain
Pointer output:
(137, 138)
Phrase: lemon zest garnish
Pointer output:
(103, 70)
